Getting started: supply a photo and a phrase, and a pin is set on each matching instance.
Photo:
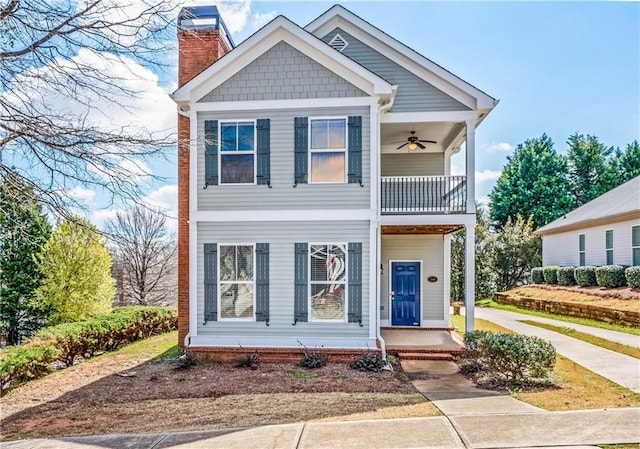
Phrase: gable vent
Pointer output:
(338, 43)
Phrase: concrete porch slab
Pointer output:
(415, 339)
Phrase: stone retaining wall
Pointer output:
(582, 310)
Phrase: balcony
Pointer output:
(416, 195)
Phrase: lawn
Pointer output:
(579, 388)
(138, 389)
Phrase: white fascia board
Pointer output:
(306, 103)
(432, 116)
(339, 16)
(444, 219)
(287, 215)
(281, 29)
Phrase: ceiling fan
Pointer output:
(414, 142)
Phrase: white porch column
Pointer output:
(471, 166)
(469, 276)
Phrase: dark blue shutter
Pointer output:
(355, 150)
(355, 283)
(301, 287)
(263, 132)
(262, 282)
(301, 150)
(210, 282)
(210, 153)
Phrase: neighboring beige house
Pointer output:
(604, 231)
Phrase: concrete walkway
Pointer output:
(619, 368)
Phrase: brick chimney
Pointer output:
(203, 38)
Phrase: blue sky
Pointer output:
(559, 68)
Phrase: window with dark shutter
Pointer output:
(354, 297)
(263, 132)
(301, 148)
(355, 150)
(262, 282)
(301, 286)
(210, 153)
(210, 282)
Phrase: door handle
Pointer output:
(393, 296)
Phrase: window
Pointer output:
(609, 246)
(236, 281)
(635, 244)
(328, 267)
(237, 152)
(582, 250)
(328, 147)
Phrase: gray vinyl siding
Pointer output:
(282, 237)
(430, 250)
(414, 94)
(283, 195)
(410, 164)
(283, 73)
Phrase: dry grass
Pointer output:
(620, 299)
(597, 341)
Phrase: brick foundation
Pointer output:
(275, 355)
(581, 310)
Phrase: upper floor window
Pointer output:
(635, 245)
(581, 250)
(328, 148)
(237, 152)
(609, 246)
(328, 265)
(236, 268)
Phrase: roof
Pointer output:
(619, 203)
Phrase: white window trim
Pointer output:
(344, 150)
(607, 249)
(346, 280)
(220, 282)
(633, 247)
(254, 152)
(583, 251)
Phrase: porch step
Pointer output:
(425, 356)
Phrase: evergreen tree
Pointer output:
(630, 162)
(76, 266)
(516, 250)
(23, 231)
(534, 183)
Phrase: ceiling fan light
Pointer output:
(412, 146)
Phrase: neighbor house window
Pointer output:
(236, 281)
(635, 244)
(328, 148)
(237, 152)
(582, 250)
(328, 267)
(609, 246)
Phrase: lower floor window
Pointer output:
(328, 267)
(236, 281)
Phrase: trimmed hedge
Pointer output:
(586, 276)
(566, 276)
(537, 275)
(64, 343)
(632, 274)
(516, 358)
(611, 276)
(550, 273)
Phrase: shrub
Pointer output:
(537, 276)
(22, 364)
(566, 276)
(250, 360)
(371, 361)
(586, 276)
(550, 274)
(632, 274)
(516, 358)
(611, 276)
(187, 360)
(311, 359)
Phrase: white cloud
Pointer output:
(500, 147)
(260, 19)
(81, 194)
(235, 14)
(166, 199)
(487, 175)
(137, 169)
(101, 216)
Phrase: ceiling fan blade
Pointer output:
(427, 141)
(405, 144)
(422, 147)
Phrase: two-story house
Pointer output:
(316, 201)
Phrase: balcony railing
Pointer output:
(423, 194)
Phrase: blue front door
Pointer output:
(405, 293)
